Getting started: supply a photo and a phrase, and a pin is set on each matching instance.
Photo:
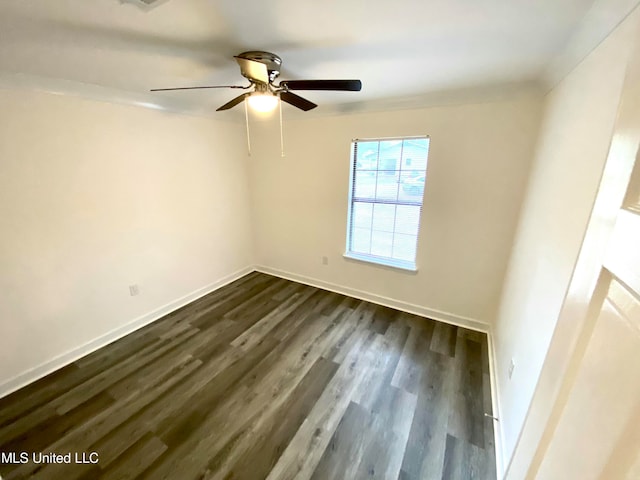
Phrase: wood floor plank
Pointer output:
(387, 434)
(382, 318)
(291, 289)
(205, 400)
(261, 394)
(168, 411)
(249, 337)
(474, 403)
(81, 393)
(257, 302)
(266, 378)
(303, 454)
(89, 432)
(34, 394)
(467, 420)
(235, 303)
(313, 306)
(136, 460)
(359, 320)
(26, 423)
(444, 339)
(107, 357)
(57, 426)
(343, 454)
(253, 454)
(33, 397)
(424, 455)
(463, 461)
(414, 357)
(374, 382)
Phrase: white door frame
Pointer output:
(574, 324)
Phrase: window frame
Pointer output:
(405, 265)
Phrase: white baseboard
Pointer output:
(445, 317)
(497, 412)
(71, 356)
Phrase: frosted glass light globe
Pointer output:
(263, 102)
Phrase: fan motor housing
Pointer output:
(271, 60)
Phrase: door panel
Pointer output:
(593, 431)
(605, 397)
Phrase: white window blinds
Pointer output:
(386, 193)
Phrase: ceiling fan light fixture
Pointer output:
(261, 69)
(263, 102)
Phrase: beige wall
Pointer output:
(95, 197)
(478, 162)
(575, 134)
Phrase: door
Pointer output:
(593, 431)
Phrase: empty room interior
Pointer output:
(306, 240)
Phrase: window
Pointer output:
(385, 200)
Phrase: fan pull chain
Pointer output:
(246, 116)
(281, 133)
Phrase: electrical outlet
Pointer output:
(325, 260)
(512, 366)
(134, 290)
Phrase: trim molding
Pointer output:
(495, 405)
(99, 93)
(71, 356)
(445, 317)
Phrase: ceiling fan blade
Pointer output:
(253, 70)
(336, 85)
(297, 101)
(197, 88)
(233, 102)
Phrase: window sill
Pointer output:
(385, 262)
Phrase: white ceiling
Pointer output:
(401, 50)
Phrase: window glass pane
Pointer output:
(367, 156)
(361, 240)
(404, 246)
(389, 156)
(411, 186)
(381, 243)
(362, 214)
(387, 187)
(365, 185)
(384, 217)
(407, 219)
(414, 154)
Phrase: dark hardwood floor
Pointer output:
(265, 378)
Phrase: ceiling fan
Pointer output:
(261, 69)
